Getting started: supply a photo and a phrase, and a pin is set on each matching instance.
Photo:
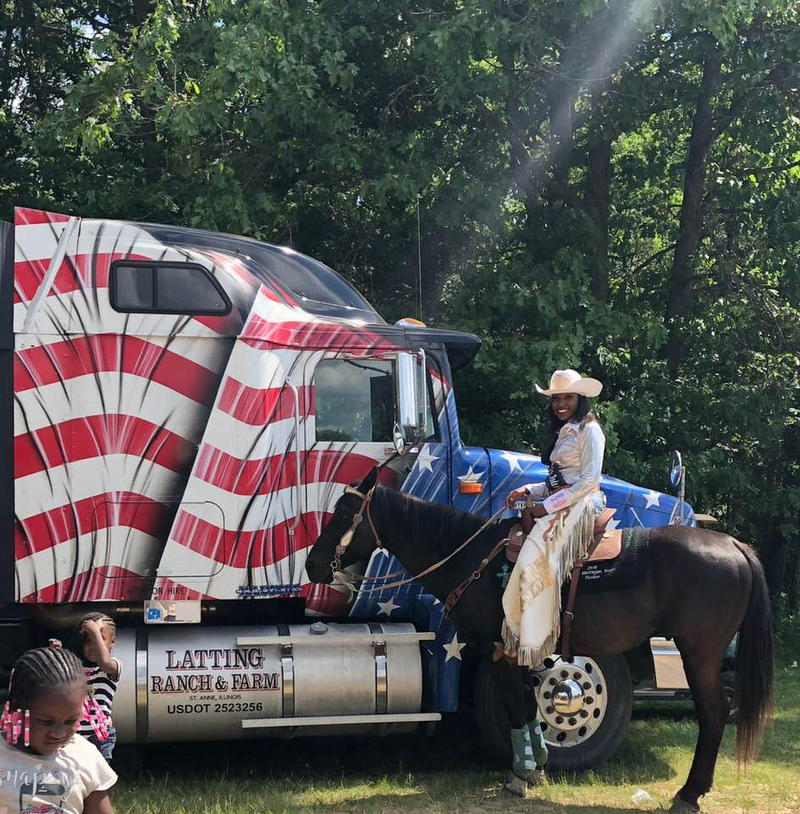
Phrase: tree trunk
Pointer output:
(562, 101)
(141, 11)
(598, 201)
(774, 561)
(598, 189)
(794, 583)
(680, 289)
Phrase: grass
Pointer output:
(447, 773)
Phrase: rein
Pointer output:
(347, 538)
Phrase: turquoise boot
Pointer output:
(540, 753)
(523, 765)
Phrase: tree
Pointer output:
(611, 186)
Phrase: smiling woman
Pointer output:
(566, 505)
(575, 447)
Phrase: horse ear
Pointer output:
(369, 481)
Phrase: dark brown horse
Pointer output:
(701, 588)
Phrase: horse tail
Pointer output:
(755, 664)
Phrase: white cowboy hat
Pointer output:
(570, 381)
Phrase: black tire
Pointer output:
(491, 716)
(586, 753)
(129, 759)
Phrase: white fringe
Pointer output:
(574, 548)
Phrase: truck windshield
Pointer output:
(314, 285)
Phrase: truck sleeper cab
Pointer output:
(180, 412)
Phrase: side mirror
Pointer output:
(412, 394)
(399, 439)
(676, 469)
(677, 477)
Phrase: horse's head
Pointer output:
(347, 537)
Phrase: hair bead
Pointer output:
(33, 671)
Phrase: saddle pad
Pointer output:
(625, 571)
(608, 548)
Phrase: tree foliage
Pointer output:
(603, 184)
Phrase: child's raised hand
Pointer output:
(90, 626)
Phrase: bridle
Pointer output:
(364, 509)
(347, 537)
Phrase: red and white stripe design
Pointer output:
(135, 429)
(247, 464)
(76, 299)
(106, 423)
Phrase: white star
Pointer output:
(652, 498)
(453, 649)
(472, 476)
(425, 459)
(387, 607)
(612, 524)
(513, 460)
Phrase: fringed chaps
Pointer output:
(532, 599)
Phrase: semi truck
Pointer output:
(179, 412)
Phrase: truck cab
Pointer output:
(179, 411)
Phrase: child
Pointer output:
(44, 767)
(99, 635)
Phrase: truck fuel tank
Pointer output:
(220, 683)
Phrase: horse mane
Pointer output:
(441, 528)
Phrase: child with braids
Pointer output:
(99, 634)
(45, 767)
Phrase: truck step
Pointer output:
(339, 720)
(337, 639)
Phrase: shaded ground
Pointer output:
(447, 772)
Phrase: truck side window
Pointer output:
(355, 400)
(165, 288)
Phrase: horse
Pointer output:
(700, 589)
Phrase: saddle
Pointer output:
(605, 546)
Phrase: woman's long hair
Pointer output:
(582, 413)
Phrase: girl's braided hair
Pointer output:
(40, 668)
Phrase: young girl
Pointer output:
(45, 768)
(99, 635)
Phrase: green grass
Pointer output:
(447, 772)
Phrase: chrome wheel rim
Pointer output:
(572, 697)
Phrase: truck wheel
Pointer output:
(491, 715)
(584, 708)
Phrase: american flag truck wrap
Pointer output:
(179, 412)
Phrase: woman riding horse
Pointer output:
(700, 587)
(570, 500)
(574, 450)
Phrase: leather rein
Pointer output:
(364, 509)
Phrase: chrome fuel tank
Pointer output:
(221, 683)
